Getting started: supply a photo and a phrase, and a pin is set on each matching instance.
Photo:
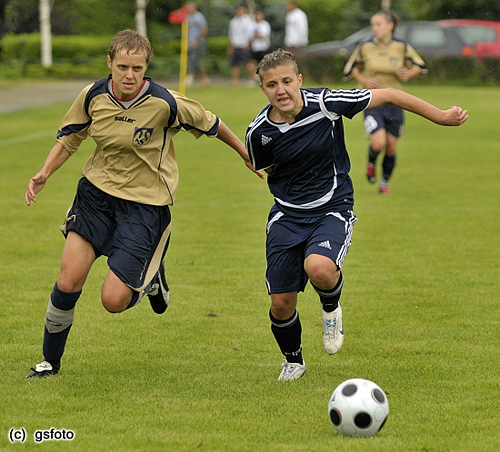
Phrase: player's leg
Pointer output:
(135, 258)
(325, 253)
(374, 128)
(77, 259)
(389, 163)
(285, 277)
(394, 126)
(287, 331)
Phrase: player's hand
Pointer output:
(371, 83)
(249, 165)
(403, 74)
(35, 185)
(454, 116)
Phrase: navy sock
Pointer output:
(388, 166)
(58, 322)
(288, 335)
(372, 155)
(330, 298)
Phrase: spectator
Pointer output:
(261, 41)
(197, 32)
(240, 36)
(296, 31)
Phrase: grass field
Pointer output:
(421, 301)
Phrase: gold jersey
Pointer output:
(383, 63)
(134, 158)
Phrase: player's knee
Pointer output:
(68, 284)
(113, 303)
(323, 275)
(283, 305)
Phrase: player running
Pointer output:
(121, 207)
(383, 62)
(298, 138)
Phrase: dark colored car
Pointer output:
(484, 34)
(427, 38)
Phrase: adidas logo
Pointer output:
(325, 244)
(264, 140)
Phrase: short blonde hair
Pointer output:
(130, 42)
(275, 59)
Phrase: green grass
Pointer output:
(420, 301)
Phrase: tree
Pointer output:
(45, 7)
(140, 16)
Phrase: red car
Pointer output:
(485, 35)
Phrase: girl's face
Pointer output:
(381, 28)
(281, 85)
(127, 72)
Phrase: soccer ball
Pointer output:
(358, 407)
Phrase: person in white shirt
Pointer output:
(297, 29)
(240, 36)
(261, 41)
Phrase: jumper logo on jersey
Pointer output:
(142, 136)
(264, 140)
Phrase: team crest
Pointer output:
(142, 136)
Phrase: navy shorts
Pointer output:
(133, 236)
(290, 240)
(388, 117)
(240, 57)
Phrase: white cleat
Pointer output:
(333, 331)
(291, 371)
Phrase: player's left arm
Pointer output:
(227, 136)
(405, 74)
(454, 116)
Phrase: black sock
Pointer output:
(330, 298)
(388, 166)
(58, 322)
(372, 155)
(288, 335)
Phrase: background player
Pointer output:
(121, 205)
(383, 62)
(298, 138)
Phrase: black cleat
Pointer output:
(159, 293)
(41, 370)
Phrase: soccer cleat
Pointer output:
(384, 190)
(41, 370)
(333, 331)
(370, 173)
(291, 371)
(159, 294)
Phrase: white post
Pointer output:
(140, 16)
(45, 33)
(386, 5)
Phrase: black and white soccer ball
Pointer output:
(358, 407)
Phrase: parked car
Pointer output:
(484, 34)
(427, 38)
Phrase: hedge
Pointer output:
(81, 48)
(84, 56)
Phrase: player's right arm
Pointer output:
(56, 158)
(454, 116)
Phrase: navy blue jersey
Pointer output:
(308, 158)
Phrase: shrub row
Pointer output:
(445, 69)
(80, 48)
(84, 56)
